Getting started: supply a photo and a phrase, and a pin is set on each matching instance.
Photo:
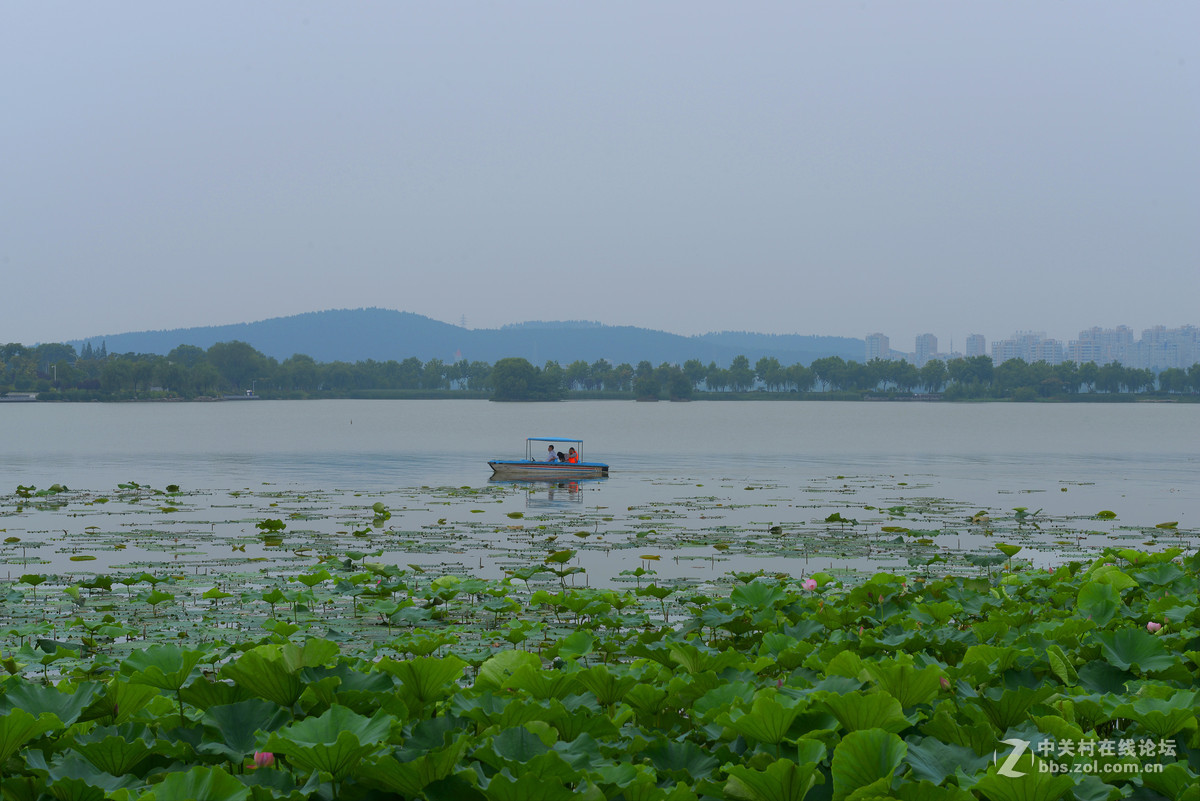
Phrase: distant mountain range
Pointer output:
(353, 335)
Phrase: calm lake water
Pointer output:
(761, 464)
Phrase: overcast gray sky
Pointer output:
(804, 167)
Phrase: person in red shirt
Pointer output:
(573, 457)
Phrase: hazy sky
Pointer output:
(801, 167)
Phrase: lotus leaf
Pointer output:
(410, 776)
(493, 674)
(199, 782)
(757, 595)
(873, 710)
(1162, 717)
(1135, 649)
(607, 686)
(1031, 785)
(782, 780)
(334, 742)
(502, 712)
(932, 760)
(979, 737)
(1111, 574)
(907, 684)
(1060, 665)
(263, 672)
(116, 750)
(541, 684)
(700, 658)
(865, 762)
(39, 700)
(167, 667)
(235, 728)
(527, 787)
(1175, 781)
(1006, 708)
(18, 727)
(424, 680)
(768, 720)
(72, 778)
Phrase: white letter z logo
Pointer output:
(1006, 769)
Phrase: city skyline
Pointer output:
(1158, 347)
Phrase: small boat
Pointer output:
(531, 467)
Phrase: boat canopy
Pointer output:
(578, 443)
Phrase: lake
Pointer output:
(697, 490)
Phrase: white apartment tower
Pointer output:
(976, 345)
(926, 349)
(878, 346)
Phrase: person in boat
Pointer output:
(551, 456)
(573, 457)
(562, 457)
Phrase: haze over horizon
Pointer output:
(944, 345)
(818, 169)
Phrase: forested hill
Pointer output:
(353, 335)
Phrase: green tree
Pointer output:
(187, 355)
(299, 371)
(716, 378)
(434, 375)
(622, 377)
(51, 353)
(800, 378)
(1173, 380)
(117, 376)
(578, 375)
(906, 376)
(1010, 375)
(479, 376)
(1110, 378)
(515, 378)
(554, 379)
(933, 375)
(741, 375)
(1068, 376)
(679, 387)
(828, 371)
(601, 374)
(1089, 373)
(204, 378)
(238, 363)
(647, 386)
(769, 372)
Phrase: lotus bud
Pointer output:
(1153, 627)
(809, 584)
(263, 759)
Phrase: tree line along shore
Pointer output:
(56, 372)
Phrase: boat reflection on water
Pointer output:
(543, 494)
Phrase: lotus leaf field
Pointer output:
(164, 644)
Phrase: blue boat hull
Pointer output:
(521, 468)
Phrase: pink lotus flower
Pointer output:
(809, 584)
(263, 759)
(1153, 627)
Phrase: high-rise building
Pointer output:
(1106, 345)
(926, 349)
(878, 347)
(976, 345)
